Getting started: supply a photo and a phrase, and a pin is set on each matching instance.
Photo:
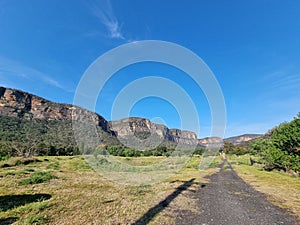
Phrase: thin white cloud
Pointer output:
(287, 81)
(13, 68)
(102, 9)
(283, 80)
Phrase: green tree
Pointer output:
(260, 145)
(287, 136)
(280, 148)
(228, 147)
(129, 152)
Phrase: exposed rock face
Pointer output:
(183, 136)
(242, 138)
(138, 127)
(211, 142)
(15, 103)
(27, 106)
(143, 128)
(23, 105)
(176, 133)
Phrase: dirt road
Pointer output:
(228, 200)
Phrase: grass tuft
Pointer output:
(53, 166)
(38, 177)
(140, 190)
(34, 220)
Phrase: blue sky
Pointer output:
(252, 47)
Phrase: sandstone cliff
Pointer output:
(23, 105)
(144, 128)
(242, 138)
(19, 104)
(213, 142)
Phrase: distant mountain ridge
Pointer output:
(241, 139)
(25, 106)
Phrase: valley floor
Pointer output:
(65, 190)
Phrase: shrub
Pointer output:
(280, 148)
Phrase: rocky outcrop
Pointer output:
(143, 128)
(183, 136)
(237, 140)
(139, 127)
(23, 105)
(213, 142)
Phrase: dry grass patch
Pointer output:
(281, 189)
(79, 195)
(141, 161)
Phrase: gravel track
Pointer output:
(227, 199)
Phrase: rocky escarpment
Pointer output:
(213, 142)
(139, 127)
(183, 137)
(143, 128)
(237, 140)
(22, 105)
(15, 103)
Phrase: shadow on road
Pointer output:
(151, 213)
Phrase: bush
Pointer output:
(199, 151)
(4, 150)
(280, 148)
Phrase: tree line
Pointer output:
(128, 152)
(19, 137)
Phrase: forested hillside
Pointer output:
(42, 137)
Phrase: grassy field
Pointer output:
(65, 190)
(282, 189)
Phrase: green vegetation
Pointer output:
(158, 151)
(127, 152)
(279, 149)
(38, 177)
(34, 219)
(232, 149)
(20, 137)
